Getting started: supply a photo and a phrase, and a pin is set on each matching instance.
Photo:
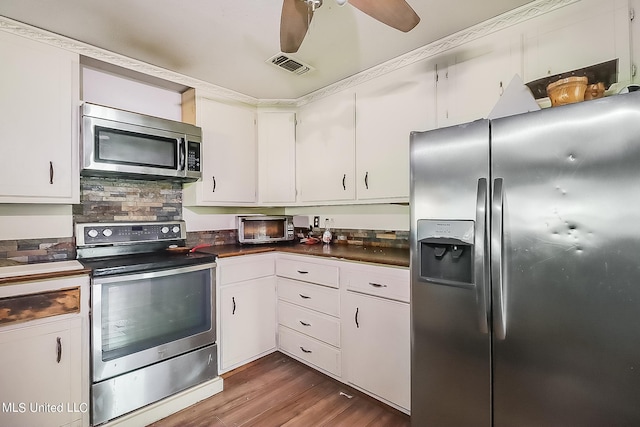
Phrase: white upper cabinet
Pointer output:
(325, 149)
(387, 110)
(472, 78)
(229, 150)
(276, 157)
(577, 36)
(38, 122)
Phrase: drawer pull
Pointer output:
(304, 323)
(233, 300)
(59, 349)
(377, 285)
(305, 350)
(303, 272)
(304, 296)
(356, 317)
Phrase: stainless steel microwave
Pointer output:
(265, 229)
(117, 142)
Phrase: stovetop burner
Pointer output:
(123, 248)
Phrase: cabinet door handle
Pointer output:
(377, 285)
(304, 323)
(59, 349)
(344, 182)
(305, 350)
(304, 296)
(303, 272)
(214, 184)
(233, 300)
(51, 173)
(366, 180)
(356, 317)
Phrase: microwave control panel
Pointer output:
(193, 156)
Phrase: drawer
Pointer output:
(308, 271)
(383, 282)
(245, 268)
(309, 350)
(308, 322)
(320, 298)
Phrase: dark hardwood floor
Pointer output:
(277, 390)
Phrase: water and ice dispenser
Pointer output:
(445, 251)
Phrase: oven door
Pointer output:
(141, 319)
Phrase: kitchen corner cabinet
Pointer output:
(376, 347)
(388, 109)
(229, 153)
(247, 307)
(276, 157)
(325, 149)
(44, 363)
(38, 122)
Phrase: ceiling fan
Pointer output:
(297, 14)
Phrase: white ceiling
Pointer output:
(226, 43)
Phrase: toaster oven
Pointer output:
(265, 229)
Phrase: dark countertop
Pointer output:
(373, 254)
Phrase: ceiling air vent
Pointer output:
(289, 64)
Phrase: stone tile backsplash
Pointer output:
(111, 200)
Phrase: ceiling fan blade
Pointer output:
(395, 13)
(294, 24)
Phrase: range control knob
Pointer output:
(176, 229)
(164, 230)
(93, 233)
(107, 232)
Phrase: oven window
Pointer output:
(131, 148)
(145, 313)
(262, 230)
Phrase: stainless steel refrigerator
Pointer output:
(525, 269)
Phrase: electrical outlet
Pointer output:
(316, 221)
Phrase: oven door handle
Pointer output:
(153, 274)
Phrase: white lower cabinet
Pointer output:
(44, 373)
(376, 350)
(247, 309)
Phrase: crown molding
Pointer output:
(508, 19)
(493, 25)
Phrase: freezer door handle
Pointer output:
(480, 256)
(497, 274)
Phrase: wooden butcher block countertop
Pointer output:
(372, 254)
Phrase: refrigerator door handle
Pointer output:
(497, 277)
(480, 256)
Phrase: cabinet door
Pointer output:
(277, 157)
(229, 150)
(325, 149)
(376, 346)
(387, 110)
(40, 366)
(583, 34)
(39, 88)
(471, 81)
(247, 321)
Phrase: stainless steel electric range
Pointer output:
(153, 330)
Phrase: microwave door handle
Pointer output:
(182, 146)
